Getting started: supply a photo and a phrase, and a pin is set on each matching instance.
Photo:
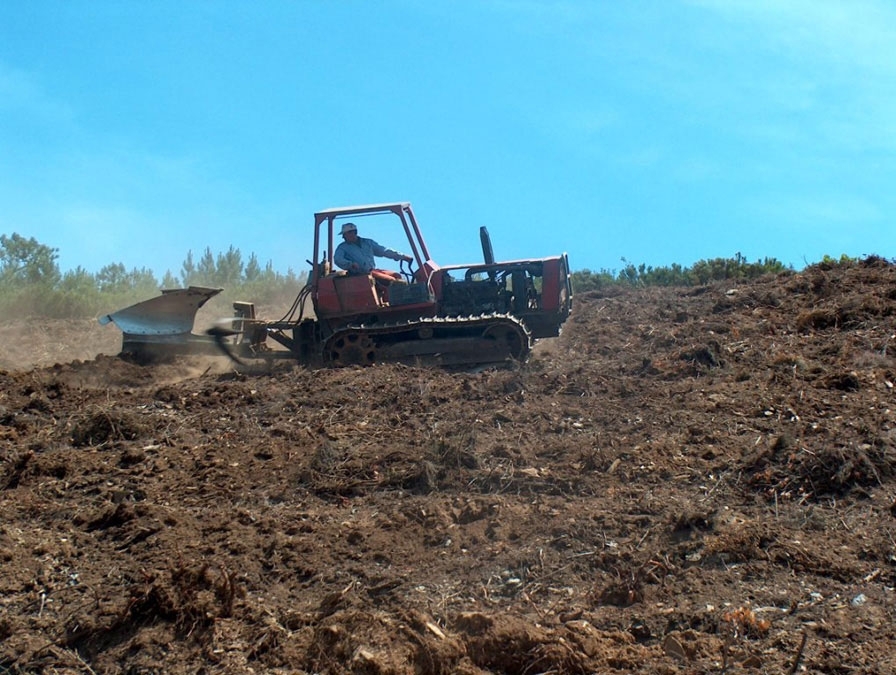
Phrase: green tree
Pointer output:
(141, 281)
(229, 268)
(76, 295)
(188, 270)
(26, 261)
(206, 268)
(253, 269)
(115, 279)
(169, 280)
(112, 278)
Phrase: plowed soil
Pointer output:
(686, 481)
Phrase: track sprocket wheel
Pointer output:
(352, 349)
(508, 337)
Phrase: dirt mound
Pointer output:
(688, 480)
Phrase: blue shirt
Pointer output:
(362, 252)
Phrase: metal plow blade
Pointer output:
(164, 325)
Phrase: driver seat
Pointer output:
(383, 279)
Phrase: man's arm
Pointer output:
(390, 253)
(341, 258)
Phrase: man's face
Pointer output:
(350, 236)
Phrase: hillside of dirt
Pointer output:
(688, 480)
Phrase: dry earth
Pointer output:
(687, 481)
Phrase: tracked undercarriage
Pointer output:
(440, 341)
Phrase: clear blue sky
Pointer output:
(659, 131)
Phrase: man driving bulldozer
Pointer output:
(356, 254)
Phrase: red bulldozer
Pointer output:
(470, 315)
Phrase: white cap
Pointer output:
(349, 227)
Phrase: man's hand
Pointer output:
(407, 258)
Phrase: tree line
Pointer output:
(700, 273)
(31, 283)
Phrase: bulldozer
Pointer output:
(468, 315)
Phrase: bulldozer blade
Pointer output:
(164, 324)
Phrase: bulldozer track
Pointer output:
(485, 339)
